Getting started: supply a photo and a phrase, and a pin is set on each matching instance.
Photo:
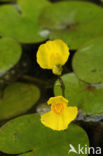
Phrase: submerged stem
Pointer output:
(37, 81)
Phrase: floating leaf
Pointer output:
(18, 98)
(22, 20)
(87, 97)
(10, 53)
(74, 22)
(88, 61)
(27, 133)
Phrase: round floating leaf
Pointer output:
(76, 23)
(10, 53)
(26, 133)
(22, 21)
(17, 98)
(88, 98)
(32, 8)
(88, 61)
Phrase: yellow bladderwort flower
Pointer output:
(60, 115)
(53, 55)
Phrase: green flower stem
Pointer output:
(62, 86)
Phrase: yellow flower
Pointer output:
(60, 115)
(52, 55)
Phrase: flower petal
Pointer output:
(50, 119)
(57, 99)
(43, 57)
(59, 122)
(66, 118)
(69, 115)
(52, 53)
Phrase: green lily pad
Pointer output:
(87, 97)
(17, 98)
(88, 61)
(10, 53)
(75, 24)
(26, 133)
(22, 21)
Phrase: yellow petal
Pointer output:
(69, 115)
(52, 53)
(66, 118)
(59, 122)
(50, 119)
(57, 99)
(43, 57)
